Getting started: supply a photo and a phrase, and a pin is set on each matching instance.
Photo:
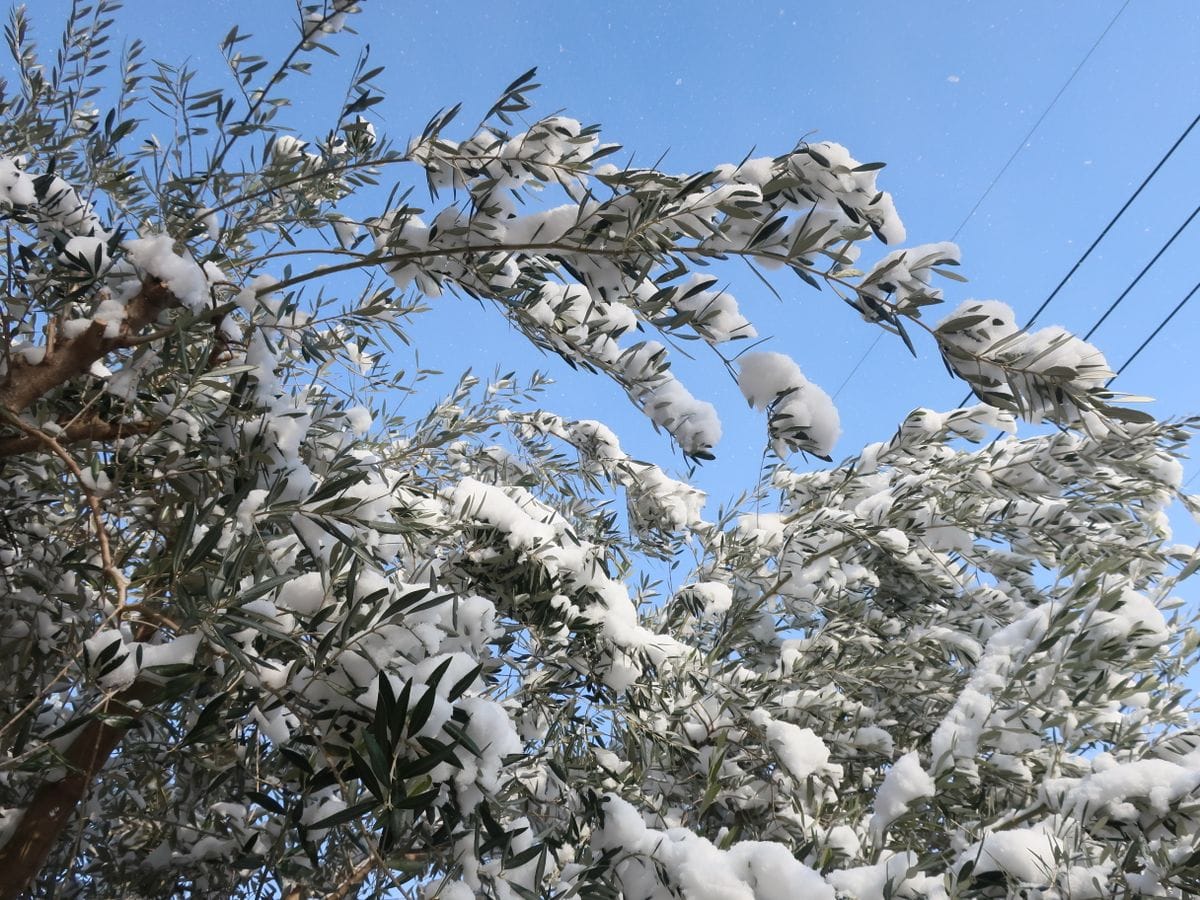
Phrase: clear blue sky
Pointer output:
(942, 92)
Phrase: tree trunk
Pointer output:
(53, 804)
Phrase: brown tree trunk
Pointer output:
(69, 358)
(53, 804)
(348, 887)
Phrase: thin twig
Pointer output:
(114, 574)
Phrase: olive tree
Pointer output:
(266, 636)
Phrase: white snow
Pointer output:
(179, 650)
(492, 505)
(125, 671)
(1134, 618)
(248, 509)
(905, 782)
(346, 231)
(693, 423)
(66, 210)
(801, 752)
(212, 226)
(987, 330)
(1087, 882)
(304, 594)
(448, 890)
(832, 178)
(885, 879)
(716, 315)
(360, 419)
(87, 247)
(1026, 854)
(748, 870)
(774, 382)
(155, 255)
(903, 276)
(1112, 787)
(717, 597)
(16, 186)
(956, 739)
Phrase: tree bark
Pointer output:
(53, 803)
(88, 430)
(348, 888)
(25, 383)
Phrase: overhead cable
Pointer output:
(1128, 288)
(1161, 325)
(1111, 222)
(1045, 112)
(1016, 152)
(1146, 268)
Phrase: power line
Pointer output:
(862, 359)
(1113, 221)
(1125, 293)
(1100, 237)
(1161, 325)
(1045, 112)
(1145, 269)
(1016, 152)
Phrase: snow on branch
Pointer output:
(273, 627)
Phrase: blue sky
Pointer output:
(942, 92)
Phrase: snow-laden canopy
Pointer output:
(267, 636)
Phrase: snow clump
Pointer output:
(801, 416)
